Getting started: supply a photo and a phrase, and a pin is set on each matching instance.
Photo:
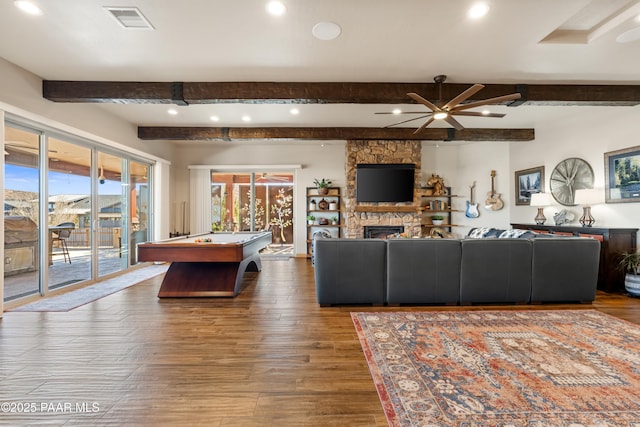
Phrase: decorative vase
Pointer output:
(632, 284)
(312, 205)
(333, 206)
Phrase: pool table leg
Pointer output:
(206, 279)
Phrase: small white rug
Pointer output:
(74, 299)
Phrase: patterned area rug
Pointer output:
(74, 299)
(503, 368)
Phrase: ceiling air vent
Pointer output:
(129, 17)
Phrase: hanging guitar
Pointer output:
(472, 207)
(493, 202)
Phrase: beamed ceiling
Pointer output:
(230, 71)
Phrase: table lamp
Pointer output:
(588, 197)
(540, 200)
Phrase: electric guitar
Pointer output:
(493, 201)
(472, 208)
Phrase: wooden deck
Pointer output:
(269, 357)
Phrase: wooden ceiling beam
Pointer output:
(333, 133)
(184, 93)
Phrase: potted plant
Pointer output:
(322, 185)
(437, 219)
(311, 219)
(334, 220)
(630, 263)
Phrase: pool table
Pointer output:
(206, 265)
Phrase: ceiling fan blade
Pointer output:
(453, 122)
(463, 96)
(495, 100)
(476, 114)
(408, 120)
(423, 101)
(403, 112)
(424, 125)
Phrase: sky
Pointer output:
(26, 179)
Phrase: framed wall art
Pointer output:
(622, 175)
(528, 182)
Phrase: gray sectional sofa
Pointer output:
(456, 271)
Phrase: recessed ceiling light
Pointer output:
(486, 112)
(28, 7)
(326, 30)
(276, 8)
(396, 111)
(294, 111)
(478, 10)
(214, 118)
(172, 111)
(246, 118)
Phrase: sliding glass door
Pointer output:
(21, 212)
(71, 215)
(254, 201)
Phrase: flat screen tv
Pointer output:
(390, 182)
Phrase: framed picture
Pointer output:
(622, 175)
(528, 182)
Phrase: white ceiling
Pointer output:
(381, 41)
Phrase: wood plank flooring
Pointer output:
(270, 357)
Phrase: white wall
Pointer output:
(460, 164)
(588, 136)
(318, 160)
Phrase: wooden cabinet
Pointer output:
(436, 205)
(326, 211)
(613, 242)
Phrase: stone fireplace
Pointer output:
(359, 215)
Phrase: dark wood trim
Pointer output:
(333, 133)
(183, 93)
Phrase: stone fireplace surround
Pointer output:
(359, 215)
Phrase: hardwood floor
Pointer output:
(270, 357)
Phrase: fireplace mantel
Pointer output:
(361, 208)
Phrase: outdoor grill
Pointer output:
(20, 245)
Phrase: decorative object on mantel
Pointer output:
(322, 185)
(437, 182)
(493, 202)
(588, 197)
(563, 217)
(323, 221)
(630, 263)
(622, 175)
(568, 176)
(540, 200)
(472, 207)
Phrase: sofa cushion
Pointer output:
(565, 269)
(495, 271)
(423, 271)
(350, 271)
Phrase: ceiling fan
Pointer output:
(455, 107)
(273, 177)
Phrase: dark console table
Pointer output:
(613, 242)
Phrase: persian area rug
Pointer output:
(503, 368)
(77, 298)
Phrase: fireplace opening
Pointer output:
(381, 231)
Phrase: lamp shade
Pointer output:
(589, 196)
(540, 199)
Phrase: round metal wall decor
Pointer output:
(568, 176)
